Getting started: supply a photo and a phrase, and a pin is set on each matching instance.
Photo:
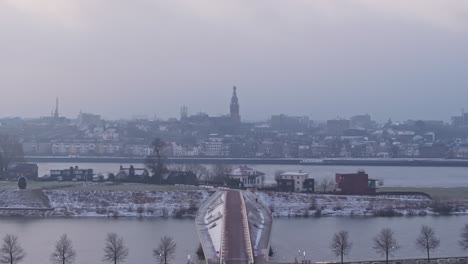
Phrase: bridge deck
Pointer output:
(235, 245)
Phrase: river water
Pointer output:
(391, 176)
(312, 235)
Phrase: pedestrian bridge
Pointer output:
(234, 228)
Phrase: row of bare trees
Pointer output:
(115, 250)
(386, 244)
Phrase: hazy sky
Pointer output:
(120, 58)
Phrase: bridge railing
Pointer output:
(223, 239)
(247, 231)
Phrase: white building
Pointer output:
(249, 177)
(298, 177)
(185, 151)
(110, 134)
(73, 148)
(215, 147)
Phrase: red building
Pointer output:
(355, 183)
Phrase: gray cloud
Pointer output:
(325, 59)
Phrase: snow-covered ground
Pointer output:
(23, 199)
(299, 204)
(125, 203)
(185, 202)
(214, 221)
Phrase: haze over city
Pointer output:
(323, 59)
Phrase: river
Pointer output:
(391, 176)
(312, 235)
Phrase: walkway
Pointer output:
(236, 238)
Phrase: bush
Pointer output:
(150, 210)
(165, 213)
(22, 183)
(442, 207)
(387, 212)
(318, 213)
(140, 210)
(180, 212)
(111, 177)
(101, 211)
(313, 204)
(337, 207)
(306, 212)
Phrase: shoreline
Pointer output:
(397, 162)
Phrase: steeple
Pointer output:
(234, 113)
(56, 113)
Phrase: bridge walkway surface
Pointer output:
(237, 247)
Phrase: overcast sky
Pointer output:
(325, 59)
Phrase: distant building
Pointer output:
(72, 174)
(140, 150)
(295, 182)
(184, 151)
(183, 113)
(355, 183)
(28, 170)
(110, 134)
(85, 119)
(289, 123)
(336, 127)
(249, 177)
(56, 112)
(362, 121)
(215, 147)
(34, 148)
(73, 148)
(235, 108)
(131, 173)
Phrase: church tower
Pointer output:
(56, 113)
(234, 113)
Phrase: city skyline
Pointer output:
(321, 59)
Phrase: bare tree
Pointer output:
(165, 250)
(156, 162)
(341, 245)
(199, 170)
(464, 238)
(427, 241)
(326, 184)
(64, 252)
(11, 151)
(220, 171)
(385, 243)
(11, 251)
(115, 250)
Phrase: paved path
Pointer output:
(235, 245)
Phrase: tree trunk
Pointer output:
(386, 258)
(341, 258)
(428, 257)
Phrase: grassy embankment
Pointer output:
(443, 193)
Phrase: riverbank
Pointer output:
(397, 162)
(139, 200)
(436, 192)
